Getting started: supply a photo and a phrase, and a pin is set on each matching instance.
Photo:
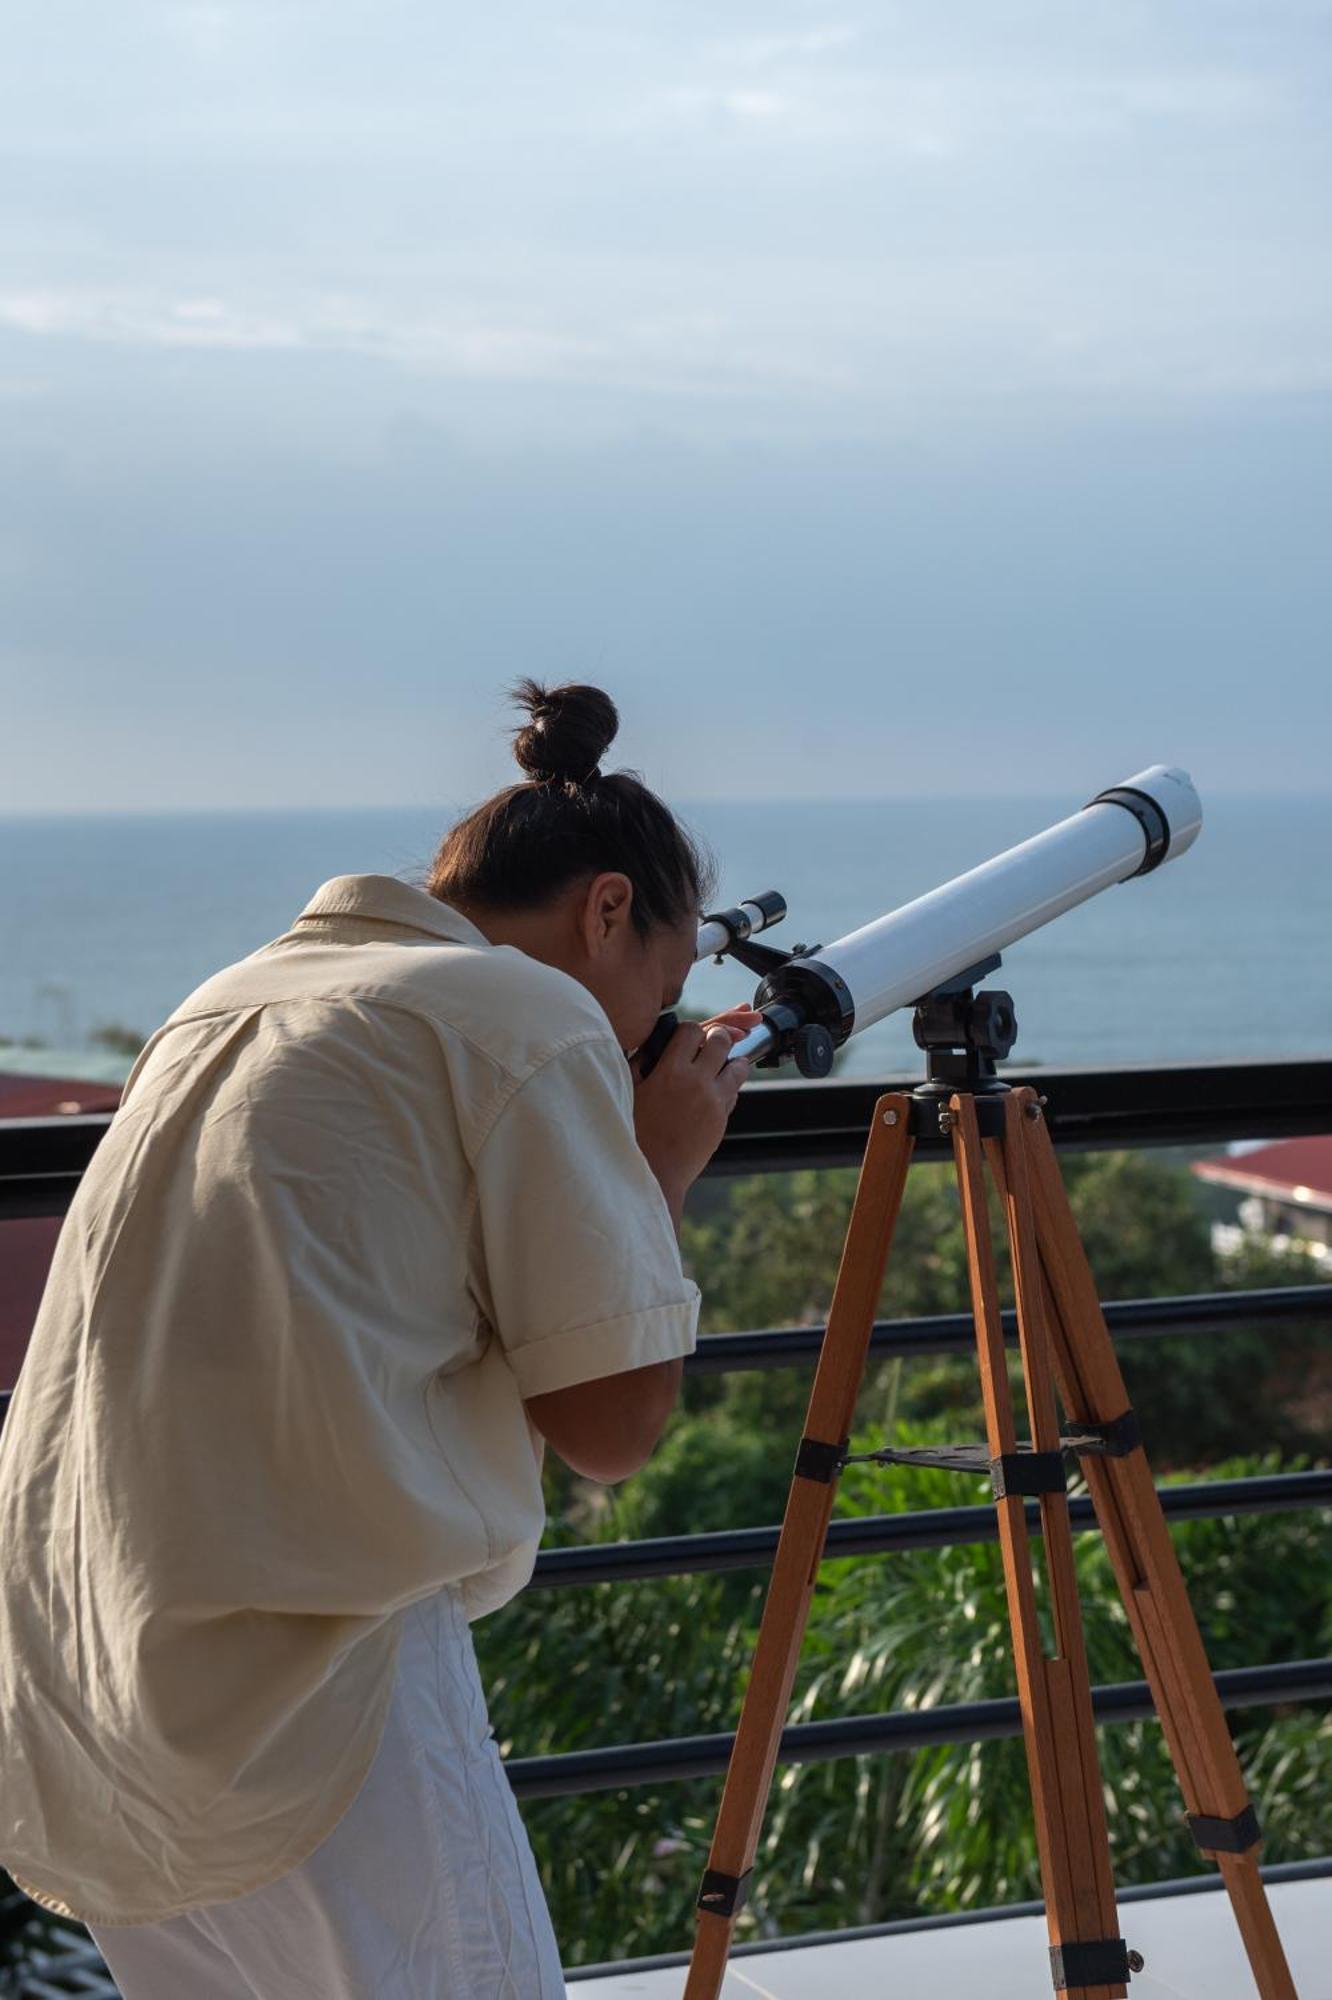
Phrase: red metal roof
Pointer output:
(26, 1242)
(1293, 1170)
(26, 1247)
(45, 1096)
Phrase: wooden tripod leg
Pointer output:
(1137, 1540)
(1053, 1690)
(832, 1403)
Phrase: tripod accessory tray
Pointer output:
(1028, 1472)
(1025, 1472)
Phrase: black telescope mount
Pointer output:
(964, 1034)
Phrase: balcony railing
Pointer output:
(778, 1126)
(789, 1125)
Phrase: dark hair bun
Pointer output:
(570, 731)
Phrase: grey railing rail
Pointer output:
(777, 1126)
(928, 1528)
(675, 1757)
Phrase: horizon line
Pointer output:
(138, 812)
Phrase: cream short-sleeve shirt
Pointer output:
(367, 1190)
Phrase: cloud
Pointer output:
(682, 352)
(137, 319)
(697, 104)
(839, 218)
(815, 337)
(760, 51)
(205, 30)
(754, 103)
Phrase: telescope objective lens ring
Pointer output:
(1150, 818)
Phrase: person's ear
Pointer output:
(607, 912)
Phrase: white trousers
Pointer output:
(426, 1889)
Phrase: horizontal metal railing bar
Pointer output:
(927, 1528)
(779, 1126)
(791, 1125)
(875, 1534)
(624, 1765)
(1136, 1892)
(42, 1161)
(954, 1333)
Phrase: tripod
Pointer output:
(1063, 1341)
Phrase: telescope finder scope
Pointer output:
(721, 930)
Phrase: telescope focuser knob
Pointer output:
(814, 1051)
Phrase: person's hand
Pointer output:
(681, 1109)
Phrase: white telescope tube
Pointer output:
(899, 958)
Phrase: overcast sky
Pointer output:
(905, 400)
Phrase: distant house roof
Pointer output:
(26, 1242)
(1298, 1171)
(49, 1096)
(109, 1066)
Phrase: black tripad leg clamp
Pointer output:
(1113, 1440)
(1226, 1836)
(1096, 1962)
(1027, 1472)
(722, 1895)
(819, 1460)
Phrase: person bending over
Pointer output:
(383, 1212)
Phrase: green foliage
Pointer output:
(768, 1254)
(116, 1038)
(930, 1627)
(618, 1664)
(712, 1472)
(15, 1919)
(26, 1937)
(1140, 1224)
(864, 1839)
(765, 1250)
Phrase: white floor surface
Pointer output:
(1190, 1945)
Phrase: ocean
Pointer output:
(1225, 954)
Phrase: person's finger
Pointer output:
(733, 1077)
(742, 1019)
(684, 1045)
(714, 1050)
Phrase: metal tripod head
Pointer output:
(964, 1034)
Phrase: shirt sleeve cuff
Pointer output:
(608, 1347)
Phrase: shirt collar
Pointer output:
(385, 899)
